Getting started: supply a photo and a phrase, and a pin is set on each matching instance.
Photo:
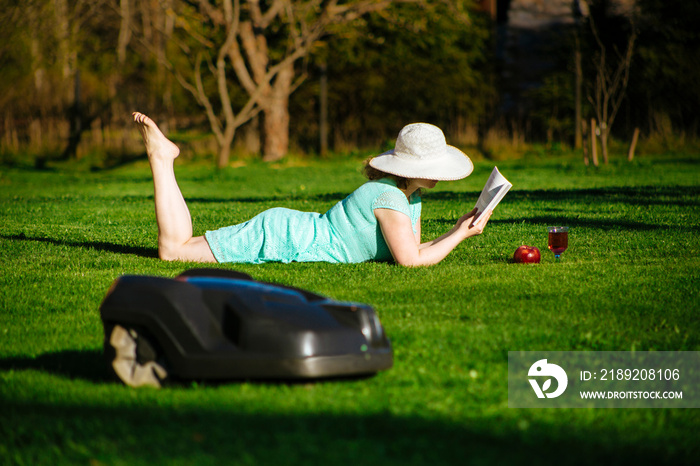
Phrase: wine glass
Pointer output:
(558, 241)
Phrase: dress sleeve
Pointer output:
(394, 200)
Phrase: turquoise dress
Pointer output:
(347, 233)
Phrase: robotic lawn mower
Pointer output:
(219, 324)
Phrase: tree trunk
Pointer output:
(323, 111)
(224, 152)
(604, 132)
(633, 145)
(168, 29)
(584, 142)
(578, 120)
(75, 115)
(276, 116)
(63, 45)
(251, 136)
(124, 31)
(594, 143)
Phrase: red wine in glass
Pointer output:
(558, 240)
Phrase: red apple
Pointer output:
(526, 255)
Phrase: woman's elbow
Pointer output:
(411, 262)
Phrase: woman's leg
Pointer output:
(175, 241)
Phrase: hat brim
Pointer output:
(452, 165)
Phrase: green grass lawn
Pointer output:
(629, 280)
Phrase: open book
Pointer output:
(494, 190)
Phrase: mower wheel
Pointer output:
(135, 358)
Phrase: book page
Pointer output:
(494, 190)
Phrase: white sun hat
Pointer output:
(422, 152)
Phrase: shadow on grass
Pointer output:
(605, 225)
(89, 365)
(643, 195)
(93, 366)
(142, 432)
(682, 196)
(96, 245)
(601, 224)
(325, 197)
(206, 427)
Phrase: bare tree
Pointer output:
(260, 43)
(271, 82)
(610, 84)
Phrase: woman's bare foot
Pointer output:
(157, 145)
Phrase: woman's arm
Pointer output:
(399, 236)
(417, 232)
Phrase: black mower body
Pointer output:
(216, 324)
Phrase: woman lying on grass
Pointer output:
(378, 221)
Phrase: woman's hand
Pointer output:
(467, 227)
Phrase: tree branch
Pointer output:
(204, 101)
(222, 84)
